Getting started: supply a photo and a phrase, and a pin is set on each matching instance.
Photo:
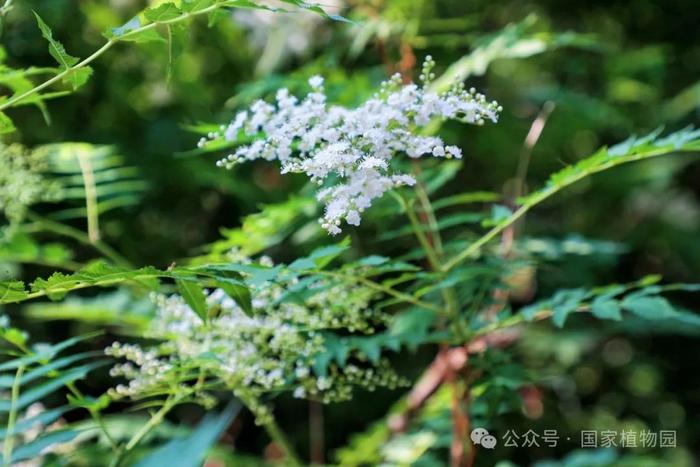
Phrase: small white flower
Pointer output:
(353, 218)
(316, 81)
(454, 151)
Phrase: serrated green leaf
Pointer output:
(565, 303)
(215, 17)
(56, 49)
(6, 125)
(163, 12)
(632, 149)
(370, 346)
(606, 309)
(14, 336)
(12, 291)
(78, 77)
(648, 307)
(133, 31)
(193, 294)
(412, 327)
(320, 257)
(238, 291)
(192, 6)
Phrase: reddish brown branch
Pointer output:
(453, 359)
(460, 420)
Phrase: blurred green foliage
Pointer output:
(610, 69)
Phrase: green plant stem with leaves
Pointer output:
(96, 416)
(85, 62)
(538, 197)
(15, 100)
(450, 317)
(132, 34)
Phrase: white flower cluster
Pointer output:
(272, 349)
(350, 150)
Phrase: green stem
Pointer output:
(541, 196)
(77, 285)
(12, 418)
(519, 319)
(93, 216)
(96, 417)
(279, 438)
(432, 220)
(381, 288)
(422, 238)
(449, 295)
(16, 99)
(62, 229)
(154, 421)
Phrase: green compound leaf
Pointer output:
(642, 300)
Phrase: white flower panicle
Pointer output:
(272, 349)
(350, 150)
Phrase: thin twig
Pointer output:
(501, 295)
